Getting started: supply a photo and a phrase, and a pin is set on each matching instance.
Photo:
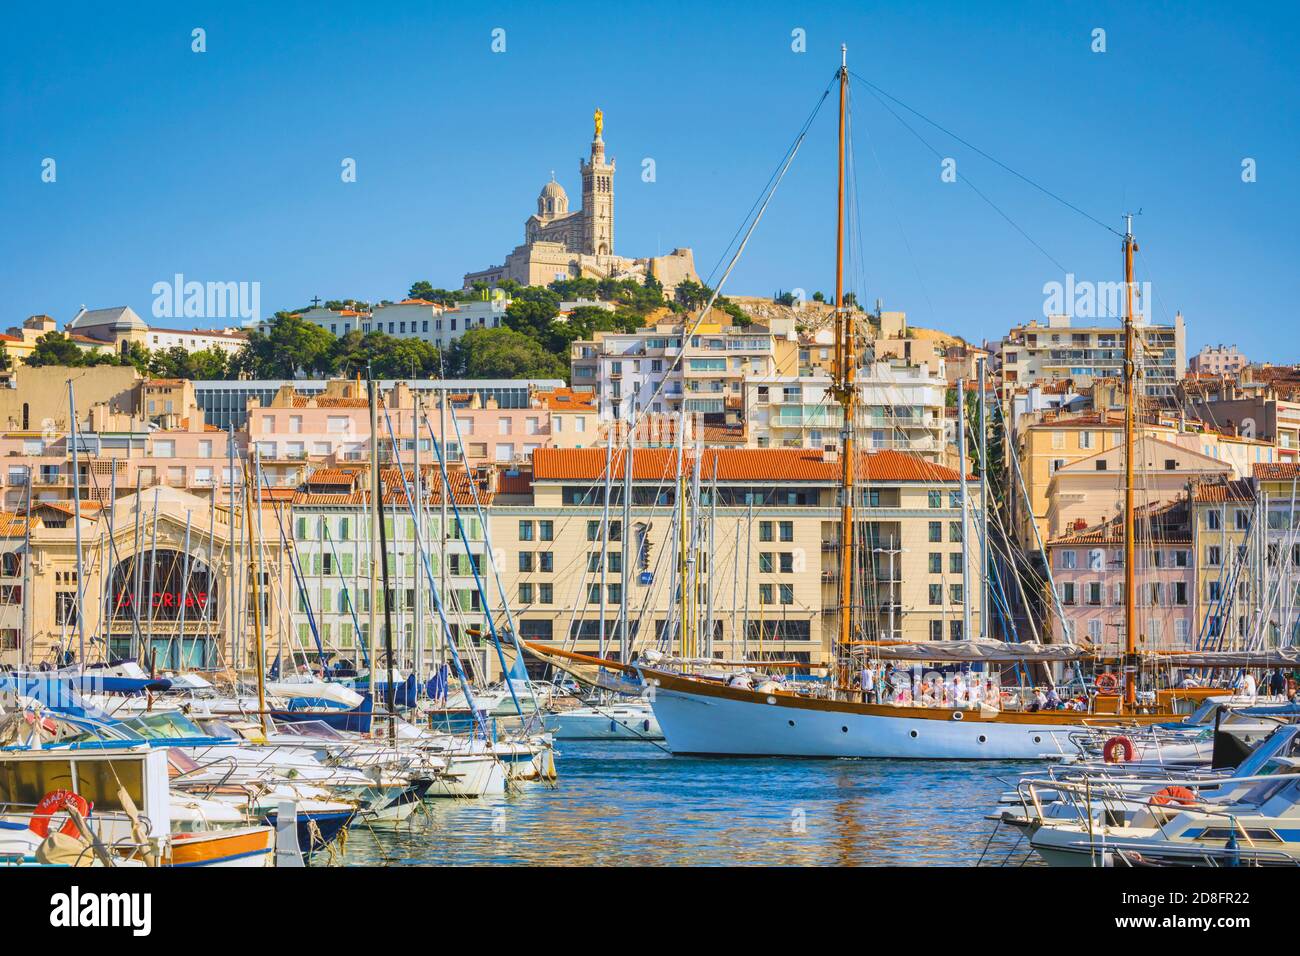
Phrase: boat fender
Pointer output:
(52, 803)
(1169, 795)
(1119, 749)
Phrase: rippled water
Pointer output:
(632, 804)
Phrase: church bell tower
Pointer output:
(597, 196)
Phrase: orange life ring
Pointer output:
(52, 803)
(1170, 795)
(1119, 749)
(1107, 683)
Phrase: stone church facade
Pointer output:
(559, 244)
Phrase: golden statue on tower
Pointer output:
(600, 121)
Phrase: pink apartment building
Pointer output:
(334, 428)
(1088, 571)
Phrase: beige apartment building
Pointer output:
(765, 566)
(1051, 440)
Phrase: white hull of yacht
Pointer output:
(617, 722)
(470, 775)
(749, 724)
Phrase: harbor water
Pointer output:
(631, 804)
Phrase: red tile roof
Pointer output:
(515, 482)
(736, 464)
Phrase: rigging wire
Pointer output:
(993, 159)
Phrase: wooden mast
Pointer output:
(844, 388)
(1130, 372)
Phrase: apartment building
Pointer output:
(653, 370)
(899, 408)
(1217, 360)
(1091, 489)
(414, 319)
(332, 549)
(767, 567)
(333, 426)
(1059, 349)
(1279, 585)
(1088, 570)
(1050, 440)
(1226, 546)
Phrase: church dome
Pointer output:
(553, 200)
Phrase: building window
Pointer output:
(525, 531)
(525, 562)
(936, 562)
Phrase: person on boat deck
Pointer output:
(1246, 685)
(1277, 683)
(868, 680)
(1040, 700)
(1052, 700)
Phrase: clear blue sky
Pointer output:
(225, 165)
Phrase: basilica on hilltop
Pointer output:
(559, 244)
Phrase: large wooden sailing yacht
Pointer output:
(703, 715)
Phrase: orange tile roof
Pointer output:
(333, 476)
(1276, 470)
(736, 464)
(1239, 489)
(12, 524)
(567, 399)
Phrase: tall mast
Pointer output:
(76, 523)
(986, 627)
(1130, 371)
(380, 522)
(253, 576)
(963, 466)
(844, 387)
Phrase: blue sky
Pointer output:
(225, 165)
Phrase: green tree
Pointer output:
(55, 348)
(287, 347)
(502, 353)
(210, 363)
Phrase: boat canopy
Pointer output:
(1277, 657)
(974, 651)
